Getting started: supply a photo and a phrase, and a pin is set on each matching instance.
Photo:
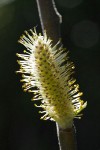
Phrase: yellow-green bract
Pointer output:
(47, 72)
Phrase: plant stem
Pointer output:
(66, 138)
(50, 21)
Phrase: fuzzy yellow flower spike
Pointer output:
(47, 72)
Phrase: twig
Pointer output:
(50, 21)
(66, 138)
(50, 18)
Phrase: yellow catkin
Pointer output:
(47, 72)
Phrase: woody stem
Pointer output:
(50, 21)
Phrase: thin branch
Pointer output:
(50, 18)
(50, 21)
(66, 138)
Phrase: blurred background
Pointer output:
(20, 126)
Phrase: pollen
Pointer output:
(47, 73)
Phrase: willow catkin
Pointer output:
(47, 72)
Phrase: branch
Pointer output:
(50, 21)
(50, 18)
(66, 138)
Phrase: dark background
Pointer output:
(20, 126)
